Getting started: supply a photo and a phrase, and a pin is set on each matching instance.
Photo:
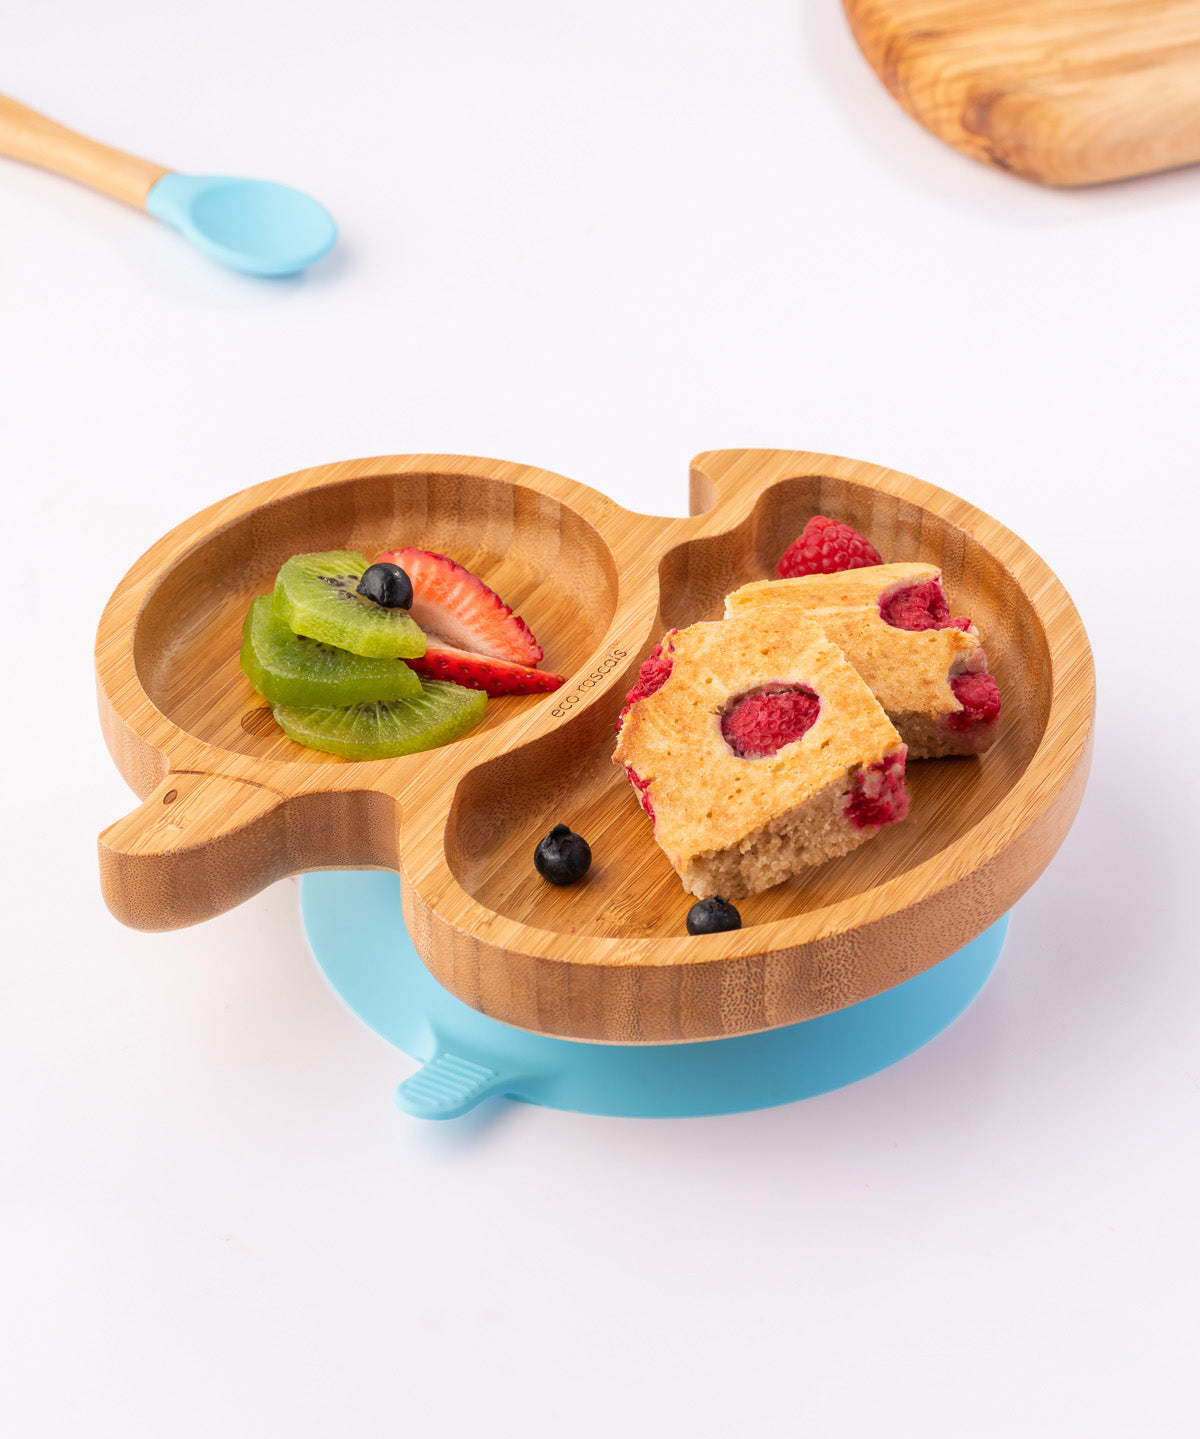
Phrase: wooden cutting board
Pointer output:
(1068, 92)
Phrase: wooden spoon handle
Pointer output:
(26, 135)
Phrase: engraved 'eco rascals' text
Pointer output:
(608, 663)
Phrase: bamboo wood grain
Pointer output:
(229, 804)
(38, 140)
(1067, 92)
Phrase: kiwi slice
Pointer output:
(290, 669)
(315, 596)
(442, 712)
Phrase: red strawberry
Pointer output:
(458, 611)
(482, 672)
(825, 547)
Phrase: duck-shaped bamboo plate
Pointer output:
(230, 805)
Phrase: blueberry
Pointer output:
(562, 857)
(388, 586)
(711, 916)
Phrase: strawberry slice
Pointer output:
(460, 614)
(482, 672)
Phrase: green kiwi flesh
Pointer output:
(315, 597)
(291, 669)
(441, 713)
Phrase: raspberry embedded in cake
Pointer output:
(894, 624)
(642, 790)
(879, 795)
(652, 675)
(760, 753)
(974, 725)
(979, 697)
(762, 722)
(920, 607)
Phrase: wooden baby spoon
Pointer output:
(255, 226)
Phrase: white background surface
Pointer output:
(598, 239)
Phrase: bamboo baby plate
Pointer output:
(230, 805)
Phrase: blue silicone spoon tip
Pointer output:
(255, 226)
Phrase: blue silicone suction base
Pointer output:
(356, 929)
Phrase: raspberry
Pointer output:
(979, 696)
(759, 724)
(825, 547)
(642, 787)
(651, 676)
(878, 796)
(921, 607)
